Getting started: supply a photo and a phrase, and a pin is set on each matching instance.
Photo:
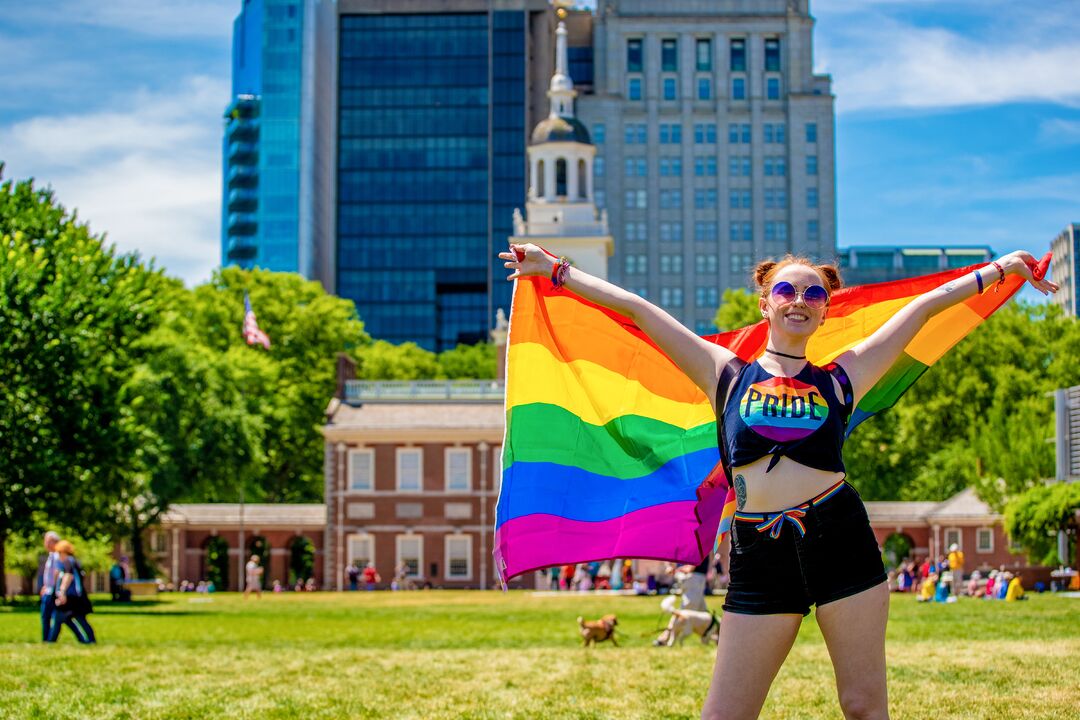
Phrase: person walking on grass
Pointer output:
(783, 422)
(253, 580)
(47, 584)
(71, 597)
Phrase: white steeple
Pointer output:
(562, 216)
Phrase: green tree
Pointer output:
(468, 361)
(1034, 518)
(738, 308)
(24, 554)
(385, 361)
(71, 309)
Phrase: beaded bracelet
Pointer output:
(1001, 280)
(559, 272)
(978, 279)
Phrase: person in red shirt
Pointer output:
(371, 576)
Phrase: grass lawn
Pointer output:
(455, 654)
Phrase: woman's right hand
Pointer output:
(526, 260)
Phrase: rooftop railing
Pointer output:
(358, 392)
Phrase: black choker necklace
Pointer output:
(793, 357)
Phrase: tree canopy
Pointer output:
(1034, 518)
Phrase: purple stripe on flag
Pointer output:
(671, 531)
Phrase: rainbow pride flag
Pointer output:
(610, 450)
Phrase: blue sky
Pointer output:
(957, 122)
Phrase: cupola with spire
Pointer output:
(562, 216)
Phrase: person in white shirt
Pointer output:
(254, 573)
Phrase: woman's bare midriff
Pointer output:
(788, 484)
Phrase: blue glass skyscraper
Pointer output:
(432, 116)
(273, 213)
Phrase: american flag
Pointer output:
(252, 333)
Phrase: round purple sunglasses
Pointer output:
(814, 296)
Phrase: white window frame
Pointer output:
(349, 539)
(947, 544)
(467, 453)
(399, 452)
(468, 557)
(496, 469)
(978, 532)
(370, 452)
(419, 553)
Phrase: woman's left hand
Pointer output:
(1021, 263)
(61, 599)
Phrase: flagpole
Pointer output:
(252, 334)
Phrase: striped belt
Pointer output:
(773, 523)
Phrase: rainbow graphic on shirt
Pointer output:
(783, 409)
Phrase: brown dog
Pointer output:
(595, 631)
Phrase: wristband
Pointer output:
(978, 279)
(559, 271)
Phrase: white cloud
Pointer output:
(148, 175)
(1058, 131)
(880, 62)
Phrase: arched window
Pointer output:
(560, 177)
(582, 180)
(539, 179)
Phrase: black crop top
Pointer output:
(798, 417)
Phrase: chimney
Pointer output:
(346, 370)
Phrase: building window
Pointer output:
(706, 297)
(705, 231)
(705, 133)
(496, 468)
(811, 197)
(705, 264)
(705, 167)
(669, 55)
(635, 264)
(704, 327)
(671, 166)
(953, 536)
(811, 164)
(670, 134)
(776, 232)
(703, 54)
(635, 134)
(705, 199)
(741, 231)
(636, 199)
(671, 297)
(599, 133)
(360, 549)
(738, 88)
(634, 55)
(670, 264)
(739, 166)
(670, 232)
(984, 540)
(458, 557)
(775, 199)
(410, 552)
(811, 132)
(598, 167)
(739, 133)
(738, 54)
(670, 199)
(158, 541)
(775, 167)
(633, 90)
(813, 233)
(636, 166)
(772, 54)
(741, 262)
(772, 88)
(635, 231)
(669, 88)
(362, 469)
(774, 133)
(600, 197)
(459, 469)
(704, 89)
(410, 468)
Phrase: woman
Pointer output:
(71, 598)
(801, 536)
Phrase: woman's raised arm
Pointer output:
(699, 359)
(867, 362)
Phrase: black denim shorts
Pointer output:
(794, 561)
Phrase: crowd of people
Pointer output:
(64, 598)
(369, 578)
(943, 580)
(619, 575)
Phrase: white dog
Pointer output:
(684, 622)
